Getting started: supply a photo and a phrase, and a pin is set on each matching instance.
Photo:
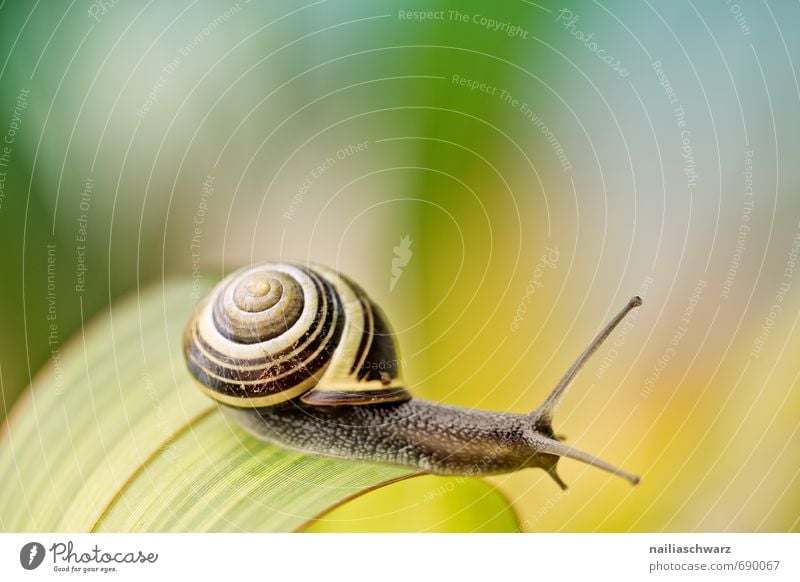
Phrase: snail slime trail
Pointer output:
(302, 358)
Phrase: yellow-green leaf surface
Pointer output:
(113, 436)
(426, 503)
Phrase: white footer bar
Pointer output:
(388, 557)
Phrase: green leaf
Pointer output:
(424, 504)
(113, 436)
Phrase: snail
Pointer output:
(300, 357)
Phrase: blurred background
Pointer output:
(501, 179)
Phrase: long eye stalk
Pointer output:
(542, 417)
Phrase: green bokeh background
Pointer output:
(254, 98)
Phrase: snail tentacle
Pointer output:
(543, 415)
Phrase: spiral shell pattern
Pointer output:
(266, 335)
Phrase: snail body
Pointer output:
(301, 357)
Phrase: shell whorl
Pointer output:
(273, 332)
(257, 306)
(265, 335)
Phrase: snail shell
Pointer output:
(274, 332)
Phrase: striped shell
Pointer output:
(274, 332)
